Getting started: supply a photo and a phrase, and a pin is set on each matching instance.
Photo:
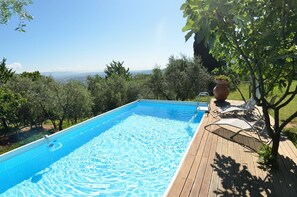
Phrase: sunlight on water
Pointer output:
(135, 154)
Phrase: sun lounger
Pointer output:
(241, 124)
(248, 107)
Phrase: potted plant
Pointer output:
(221, 90)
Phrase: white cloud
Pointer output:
(15, 66)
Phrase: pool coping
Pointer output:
(183, 159)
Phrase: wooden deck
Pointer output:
(219, 166)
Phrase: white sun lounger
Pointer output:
(239, 123)
(248, 107)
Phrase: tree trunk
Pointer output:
(17, 134)
(275, 144)
(54, 124)
(61, 125)
(5, 126)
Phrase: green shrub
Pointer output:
(265, 155)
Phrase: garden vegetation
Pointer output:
(31, 99)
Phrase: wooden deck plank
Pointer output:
(192, 174)
(221, 156)
(245, 170)
(251, 167)
(196, 163)
(231, 152)
(197, 138)
(218, 166)
(290, 149)
(183, 176)
(280, 175)
(202, 167)
(287, 168)
(261, 175)
(193, 171)
(281, 179)
(215, 177)
(230, 160)
(204, 190)
(237, 178)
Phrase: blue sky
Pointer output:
(85, 35)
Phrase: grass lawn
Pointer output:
(285, 112)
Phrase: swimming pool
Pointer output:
(131, 151)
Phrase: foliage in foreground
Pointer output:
(15, 7)
(255, 39)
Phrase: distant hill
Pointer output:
(135, 72)
(65, 76)
(82, 76)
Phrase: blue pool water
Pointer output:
(131, 151)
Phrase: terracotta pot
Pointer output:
(221, 90)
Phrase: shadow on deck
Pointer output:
(217, 165)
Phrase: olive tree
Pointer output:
(63, 101)
(116, 92)
(29, 113)
(97, 87)
(255, 38)
(138, 87)
(46, 97)
(182, 79)
(158, 85)
(186, 77)
(10, 102)
(78, 100)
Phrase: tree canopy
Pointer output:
(182, 79)
(117, 68)
(8, 8)
(255, 38)
(31, 99)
